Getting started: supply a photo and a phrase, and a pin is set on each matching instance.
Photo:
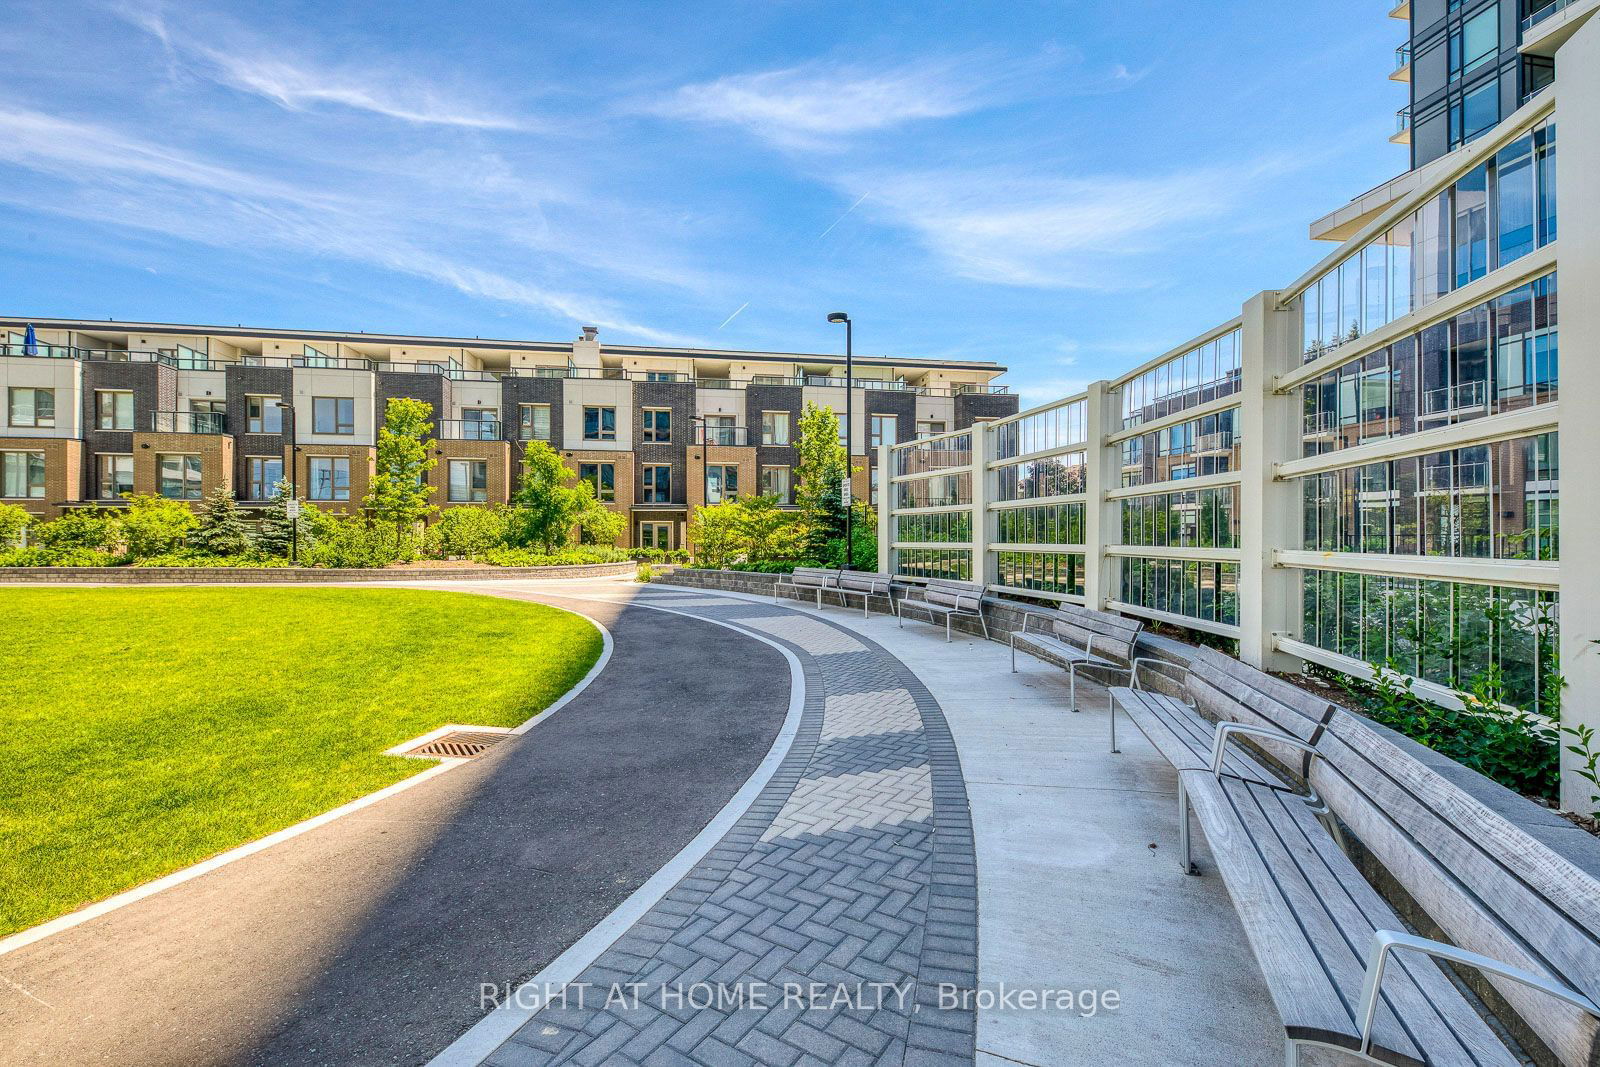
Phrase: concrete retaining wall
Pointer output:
(240, 575)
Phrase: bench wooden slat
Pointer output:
(1182, 736)
(1316, 932)
(1490, 886)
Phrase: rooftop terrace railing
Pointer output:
(188, 422)
(468, 429)
(1555, 7)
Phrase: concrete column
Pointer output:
(1269, 510)
(982, 449)
(1101, 526)
(885, 509)
(1577, 165)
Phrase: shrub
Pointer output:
(347, 541)
(13, 520)
(528, 557)
(55, 556)
(222, 531)
(154, 526)
(189, 557)
(644, 573)
(467, 532)
(93, 529)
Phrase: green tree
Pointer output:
(154, 525)
(222, 531)
(822, 467)
(598, 524)
(94, 528)
(275, 533)
(13, 520)
(715, 535)
(400, 490)
(545, 507)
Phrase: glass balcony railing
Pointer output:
(1402, 120)
(721, 435)
(1402, 58)
(468, 429)
(188, 422)
(1534, 18)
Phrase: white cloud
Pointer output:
(1015, 227)
(233, 56)
(814, 104)
(101, 174)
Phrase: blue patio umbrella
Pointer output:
(30, 342)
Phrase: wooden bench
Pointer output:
(1342, 968)
(817, 579)
(943, 596)
(866, 585)
(1081, 637)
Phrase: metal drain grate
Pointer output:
(459, 744)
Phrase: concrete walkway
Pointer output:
(1079, 887)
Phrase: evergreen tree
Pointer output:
(222, 531)
(275, 533)
(400, 489)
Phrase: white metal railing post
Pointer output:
(885, 507)
(1269, 509)
(982, 449)
(1576, 166)
(1100, 524)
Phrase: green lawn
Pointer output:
(142, 730)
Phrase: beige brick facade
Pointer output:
(362, 459)
(740, 457)
(625, 481)
(497, 454)
(63, 473)
(215, 452)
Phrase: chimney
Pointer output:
(591, 332)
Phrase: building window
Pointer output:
(314, 357)
(656, 535)
(32, 407)
(1475, 112)
(658, 483)
(265, 472)
(1477, 42)
(599, 423)
(658, 425)
(929, 428)
(208, 416)
(333, 414)
(23, 474)
(113, 409)
(722, 482)
(774, 427)
(469, 480)
(534, 421)
(330, 477)
(661, 376)
(480, 424)
(884, 428)
(603, 476)
(775, 483)
(178, 477)
(263, 415)
(872, 486)
(115, 476)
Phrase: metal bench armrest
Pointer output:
(1031, 615)
(1385, 942)
(1228, 729)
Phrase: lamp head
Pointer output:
(837, 317)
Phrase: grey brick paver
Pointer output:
(859, 845)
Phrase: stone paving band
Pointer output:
(824, 925)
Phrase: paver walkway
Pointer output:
(824, 924)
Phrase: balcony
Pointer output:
(455, 374)
(1454, 401)
(721, 435)
(313, 362)
(1402, 126)
(468, 429)
(1555, 7)
(1401, 10)
(1214, 444)
(214, 422)
(1402, 64)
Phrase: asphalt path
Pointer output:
(368, 940)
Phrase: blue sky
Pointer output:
(1068, 188)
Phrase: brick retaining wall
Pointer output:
(232, 575)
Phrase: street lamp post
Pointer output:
(294, 485)
(705, 464)
(849, 434)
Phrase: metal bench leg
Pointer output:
(1013, 653)
(1072, 687)
(1114, 749)
(1183, 829)
(947, 620)
(985, 624)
